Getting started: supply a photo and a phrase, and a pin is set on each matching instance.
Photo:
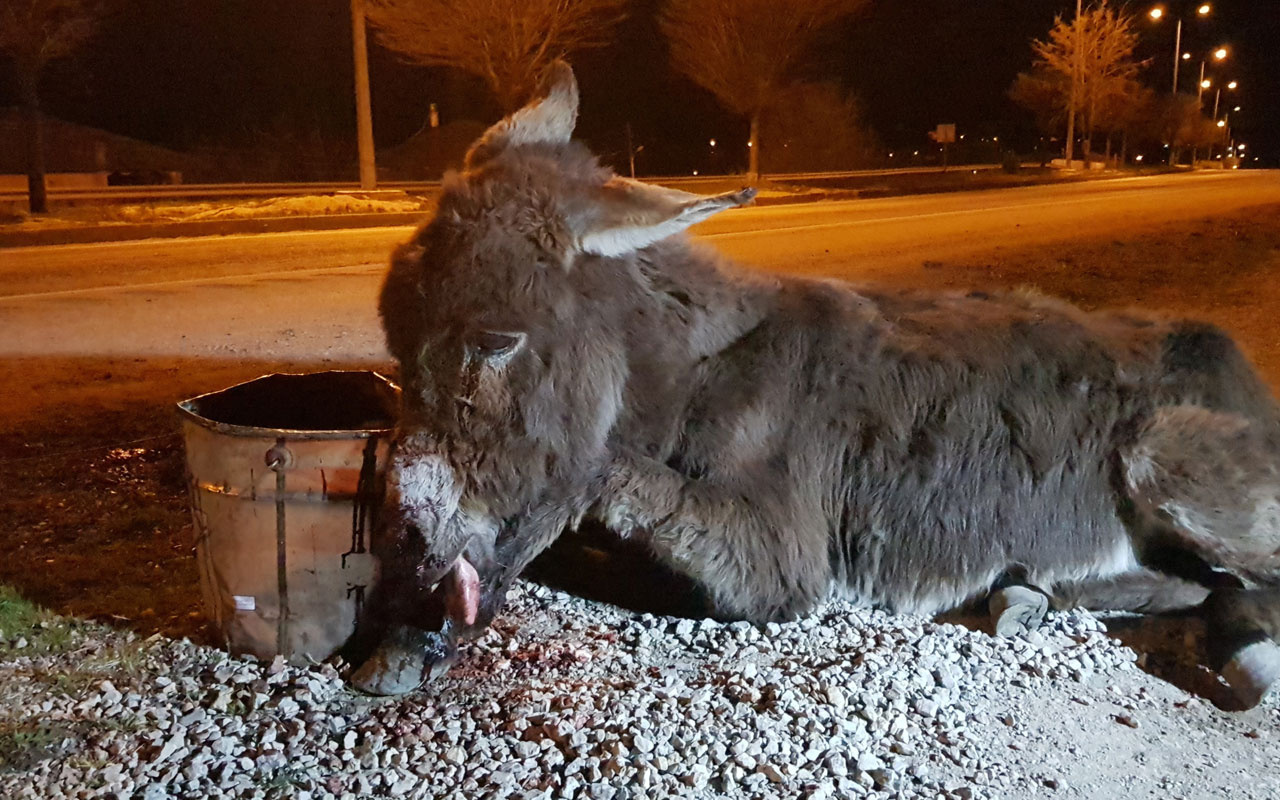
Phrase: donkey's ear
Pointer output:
(626, 215)
(550, 119)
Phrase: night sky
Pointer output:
(187, 72)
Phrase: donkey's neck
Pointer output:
(704, 301)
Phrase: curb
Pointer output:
(91, 234)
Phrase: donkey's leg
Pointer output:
(1209, 483)
(1141, 591)
(1244, 626)
(757, 555)
(1017, 609)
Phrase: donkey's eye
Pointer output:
(496, 344)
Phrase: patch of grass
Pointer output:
(90, 652)
(43, 631)
(23, 744)
(119, 657)
(17, 614)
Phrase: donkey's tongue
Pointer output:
(462, 592)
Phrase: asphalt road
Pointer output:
(310, 297)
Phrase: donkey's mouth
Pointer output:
(461, 587)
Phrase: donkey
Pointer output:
(567, 353)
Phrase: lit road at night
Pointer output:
(310, 297)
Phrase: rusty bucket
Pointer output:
(286, 478)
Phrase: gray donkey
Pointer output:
(567, 353)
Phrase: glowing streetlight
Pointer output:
(1156, 14)
(712, 142)
(1222, 123)
(1233, 84)
(1220, 53)
(1237, 108)
(1206, 83)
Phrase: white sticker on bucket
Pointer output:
(244, 602)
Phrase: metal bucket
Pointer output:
(286, 477)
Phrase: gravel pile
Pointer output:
(566, 698)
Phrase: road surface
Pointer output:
(310, 297)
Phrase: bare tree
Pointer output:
(507, 43)
(746, 52)
(815, 127)
(1103, 41)
(32, 34)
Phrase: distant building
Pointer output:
(72, 148)
(430, 152)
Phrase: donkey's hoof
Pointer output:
(406, 659)
(1016, 610)
(1252, 671)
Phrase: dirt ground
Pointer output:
(92, 494)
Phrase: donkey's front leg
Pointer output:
(760, 553)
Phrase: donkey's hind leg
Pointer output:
(1141, 591)
(1016, 609)
(1209, 483)
(1244, 626)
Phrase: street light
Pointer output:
(1217, 96)
(1157, 13)
(1218, 55)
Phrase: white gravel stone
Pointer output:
(591, 701)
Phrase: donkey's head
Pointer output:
(507, 313)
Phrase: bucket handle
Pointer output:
(279, 458)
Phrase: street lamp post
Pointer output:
(1157, 13)
(1075, 79)
(1218, 55)
(1217, 96)
(364, 113)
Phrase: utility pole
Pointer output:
(631, 152)
(1177, 54)
(1177, 57)
(1075, 79)
(364, 112)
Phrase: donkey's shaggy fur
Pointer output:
(781, 440)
